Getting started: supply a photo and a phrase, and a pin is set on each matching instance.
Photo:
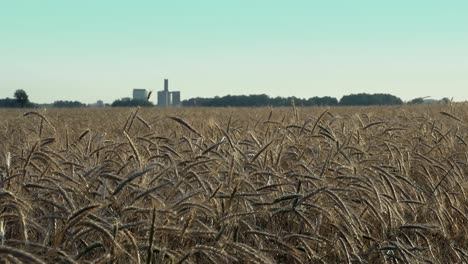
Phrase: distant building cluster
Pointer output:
(165, 98)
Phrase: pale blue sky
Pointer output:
(99, 49)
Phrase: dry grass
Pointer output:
(288, 185)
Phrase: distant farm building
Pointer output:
(166, 98)
(140, 94)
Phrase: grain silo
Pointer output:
(166, 98)
(175, 96)
(163, 98)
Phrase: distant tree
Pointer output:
(370, 99)
(125, 102)
(8, 102)
(319, 101)
(445, 100)
(68, 104)
(280, 101)
(418, 100)
(21, 98)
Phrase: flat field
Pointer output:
(235, 185)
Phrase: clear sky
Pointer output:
(100, 49)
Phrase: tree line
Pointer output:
(257, 100)
(264, 100)
(21, 99)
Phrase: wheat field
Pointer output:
(234, 185)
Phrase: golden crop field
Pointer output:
(229, 185)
